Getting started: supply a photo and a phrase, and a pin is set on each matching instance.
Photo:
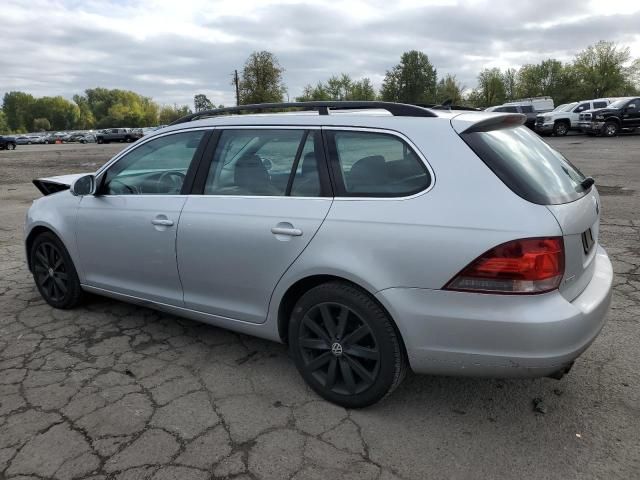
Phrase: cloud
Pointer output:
(171, 50)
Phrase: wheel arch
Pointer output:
(303, 285)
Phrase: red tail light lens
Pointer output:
(530, 265)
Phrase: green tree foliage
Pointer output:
(17, 107)
(261, 80)
(86, 120)
(413, 80)
(201, 102)
(61, 113)
(170, 113)
(118, 108)
(549, 78)
(491, 88)
(600, 70)
(4, 126)
(340, 87)
(41, 124)
(510, 78)
(449, 89)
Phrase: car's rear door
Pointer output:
(126, 234)
(259, 200)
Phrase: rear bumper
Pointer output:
(457, 333)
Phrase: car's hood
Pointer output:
(603, 110)
(49, 185)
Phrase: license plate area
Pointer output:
(587, 241)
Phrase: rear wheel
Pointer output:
(610, 129)
(345, 345)
(560, 129)
(54, 272)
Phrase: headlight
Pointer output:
(547, 119)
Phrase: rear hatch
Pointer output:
(540, 174)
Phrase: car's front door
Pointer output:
(264, 198)
(126, 233)
(631, 115)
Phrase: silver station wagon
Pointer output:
(370, 237)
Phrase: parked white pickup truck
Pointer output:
(565, 117)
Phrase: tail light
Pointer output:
(530, 265)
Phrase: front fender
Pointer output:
(57, 213)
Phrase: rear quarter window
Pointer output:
(527, 165)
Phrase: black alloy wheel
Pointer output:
(54, 273)
(611, 129)
(339, 349)
(345, 345)
(560, 129)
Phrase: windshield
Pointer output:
(619, 103)
(530, 167)
(569, 106)
(559, 107)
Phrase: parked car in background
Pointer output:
(326, 232)
(560, 121)
(621, 115)
(88, 138)
(117, 135)
(530, 107)
(526, 110)
(23, 140)
(58, 137)
(7, 143)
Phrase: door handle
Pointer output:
(163, 222)
(292, 232)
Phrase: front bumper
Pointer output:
(544, 127)
(591, 127)
(459, 333)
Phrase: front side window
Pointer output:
(582, 107)
(157, 167)
(599, 104)
(376, 165)
(265, 162)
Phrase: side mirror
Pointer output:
(631, 106)
(85, 185)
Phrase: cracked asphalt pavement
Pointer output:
(111, 390)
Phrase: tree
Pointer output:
(601, 71)
(510, 77)
(362, 90)
(86, 119)
(4, 126)
(449, 89)
(549, 78)
(60, 112)
(340, 87)
(170, 113)
(413, 80)
(118, 108)
(41, 124)
(201, 102)
(261, 80)
(491, 89)
(17, 107)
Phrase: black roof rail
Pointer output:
(446, 106)
(322, 107)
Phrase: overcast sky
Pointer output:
(170, 50)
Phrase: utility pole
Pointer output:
(237, 83)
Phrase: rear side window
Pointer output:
(526, 109)
(372, 164)
(599, 104)
(528, 165)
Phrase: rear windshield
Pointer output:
(528, 165)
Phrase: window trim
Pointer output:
(326, 190)
(187, 185)
(336, 170)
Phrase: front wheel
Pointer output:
(610, 129)
(54, 272)
(560, 129)
(345, 346)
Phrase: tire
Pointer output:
(358, 359)
(560, 129)
(99, 140)
(128, 139)
(610, 129)
(54, 273)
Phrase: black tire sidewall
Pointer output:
(560, 124)
(617, 129)
(74, 293)
(379, 323)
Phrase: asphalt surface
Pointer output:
(110, 390)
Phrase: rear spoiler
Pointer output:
(50, 185)
(486, 122)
